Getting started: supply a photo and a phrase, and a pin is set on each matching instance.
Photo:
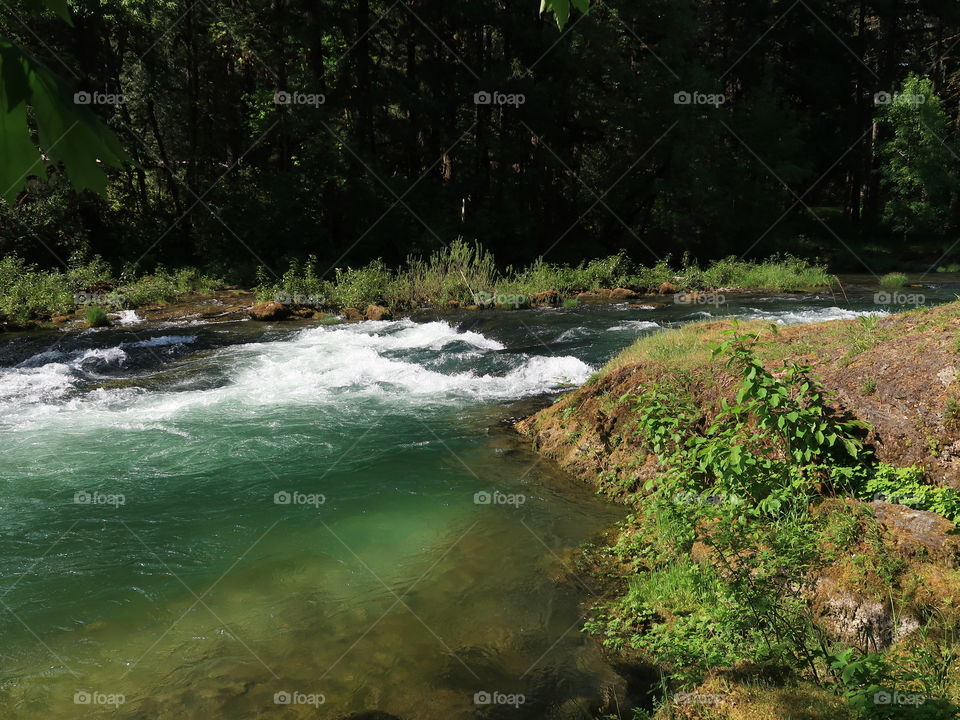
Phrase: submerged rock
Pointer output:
(269, 311)
(377, 312)
(547, 297)
(352, 315)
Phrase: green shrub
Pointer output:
(369, 285)
(96, 317)
(300, 285)
(893, 280)
(28, 293)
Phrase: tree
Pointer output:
(920, 169)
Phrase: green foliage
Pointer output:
(161, 286)
(464, 273)
(918, 172)
(67, 132)
(96, 317)
(741, 485)
(299, 286)
(878, 689)
(364, 286)
(561, 9)
(908, 486)
(893, 280)
(784, 272)
(28, 293)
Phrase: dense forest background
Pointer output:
(265, 131)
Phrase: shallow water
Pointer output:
(196, 519)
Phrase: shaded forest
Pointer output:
(265, 132)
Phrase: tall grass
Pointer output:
(893, 281)
(29, 293)
(465, 273)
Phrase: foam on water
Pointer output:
(127, 317)
(808, 315)
(634, 325)
(321, 366)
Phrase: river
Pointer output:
(232, 520)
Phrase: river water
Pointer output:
(239, 521)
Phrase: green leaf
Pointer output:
(19, 157)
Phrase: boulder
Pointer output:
(377, 312)
(269, 311)
(620, 294)
(918, 533)
(352, 315)
(857, 620)
(547, 297)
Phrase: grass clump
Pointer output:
(28, 293)
(464, 273)
(96, 317)
(893, 281)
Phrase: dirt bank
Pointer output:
(880, 585)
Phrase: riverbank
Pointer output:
(781, 559)
(461, 275)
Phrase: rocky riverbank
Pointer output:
(881, 575)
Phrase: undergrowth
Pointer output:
(728, 534)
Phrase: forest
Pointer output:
(258, 134)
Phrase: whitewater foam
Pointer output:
(329, 366)
(808, 315)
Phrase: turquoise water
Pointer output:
(207, 520)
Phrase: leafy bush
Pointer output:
(300, 285)
(364, 286)
(893, 280)
(28, 293)
(908, 486)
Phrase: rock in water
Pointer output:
(377, 312)
(352, 315)
(269, 311)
